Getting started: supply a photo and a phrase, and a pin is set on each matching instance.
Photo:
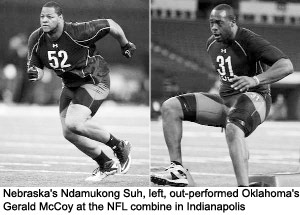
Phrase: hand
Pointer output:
(32, 73)
(128, 49)
(242, 83)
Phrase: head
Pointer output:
(51, 17)
(223, 23)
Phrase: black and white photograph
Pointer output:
(74, 93)
(225, 93)
(149, 107)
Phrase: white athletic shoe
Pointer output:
(174, 175)
(110, 168)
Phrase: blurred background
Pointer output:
(129, 78)
(180, 64)
(33, 150)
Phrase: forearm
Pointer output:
(277, 71)
(117, 32)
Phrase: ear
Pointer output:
(232, 23)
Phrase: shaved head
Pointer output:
(223, 23)
(225, 11)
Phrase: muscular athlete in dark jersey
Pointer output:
(243, 102)
(69, 50)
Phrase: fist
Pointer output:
(32, 73)
(128, 49)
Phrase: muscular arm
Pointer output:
(117, 32)
(87, 33)
(262, 50)
(280, 69)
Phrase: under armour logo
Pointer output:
(223, 50)
(55, 45)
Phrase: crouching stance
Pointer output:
(69, 50)
(243, 102)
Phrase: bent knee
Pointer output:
(233, 132)
(69, 135)
(74, 126)
(171, 108)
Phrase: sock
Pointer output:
(112, 142)
(177, 163)
(101, 159)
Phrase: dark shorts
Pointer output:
(246, 110)
(89, 95)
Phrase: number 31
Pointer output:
(222, 61)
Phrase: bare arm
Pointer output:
(280, 69)
(117, 32)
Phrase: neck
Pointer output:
(57, 32)
(234, 31)
(232, 37)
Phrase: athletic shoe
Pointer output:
(109, 168)
(122, 152)
(259, 184)
(174, 175)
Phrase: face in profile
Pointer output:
(220, 25)
(49, 19)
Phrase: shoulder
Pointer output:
(35, 35)
(96, 24)
(69, 27)
(211, 40)
(85, 30)
(251, 41)
(247, 36)
(74, 29)
(245, 32)
(34, 38)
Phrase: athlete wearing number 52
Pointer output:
(243, 102)
(69, 50)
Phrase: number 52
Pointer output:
(54, 58)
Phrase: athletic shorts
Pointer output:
(246, 110)
(89, 95)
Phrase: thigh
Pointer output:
(261, 104)
(249, 111)
(211, 110)
(204, 108)
(65, 99)
(91, 96)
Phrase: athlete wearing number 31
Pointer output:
(69, 50)
(243, 102)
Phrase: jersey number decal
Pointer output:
(54, 58)
(222, 69)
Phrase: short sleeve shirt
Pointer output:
(246, 55)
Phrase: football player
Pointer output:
(69, 50)
(243, 103)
